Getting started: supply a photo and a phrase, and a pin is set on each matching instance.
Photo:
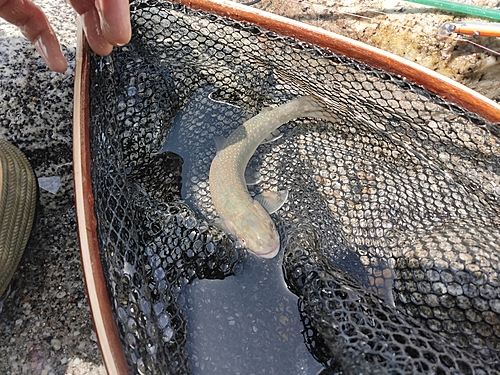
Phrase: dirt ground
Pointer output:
(408, 30)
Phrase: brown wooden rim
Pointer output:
(105, 326)
(100, 306)
(432, 81)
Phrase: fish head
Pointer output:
(256, 231)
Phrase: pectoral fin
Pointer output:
(272, 200)
(219, 223)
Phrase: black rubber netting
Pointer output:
(390, 236)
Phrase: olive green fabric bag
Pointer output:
(17, 209)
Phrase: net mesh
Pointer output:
(390, 235)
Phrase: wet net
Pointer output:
(390, 234)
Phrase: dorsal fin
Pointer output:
(273, 136)
(220, 142)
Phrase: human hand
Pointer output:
(106, 23)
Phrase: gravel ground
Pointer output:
(45, 325)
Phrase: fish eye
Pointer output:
(243, 242)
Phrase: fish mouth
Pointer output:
(271, 254)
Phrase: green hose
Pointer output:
(471, 10)
(18, 190)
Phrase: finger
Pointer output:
(95, 37)
(92, 26)
(115, 20)
(34, 25)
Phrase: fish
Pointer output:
(246, 218)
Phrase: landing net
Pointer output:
(390, 236)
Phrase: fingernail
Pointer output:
(42, 49)
(54, 59)
(99, 6)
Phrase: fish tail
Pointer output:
(317, 107)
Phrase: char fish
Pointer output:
(245, 218)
